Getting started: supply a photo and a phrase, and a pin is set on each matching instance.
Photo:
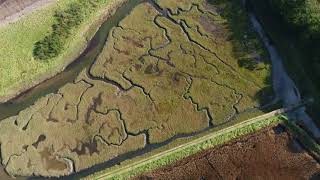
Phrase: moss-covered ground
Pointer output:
(169, 68)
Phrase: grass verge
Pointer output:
(150, 162)
(139, 165)
(19, 70)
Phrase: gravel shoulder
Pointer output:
(12, 10)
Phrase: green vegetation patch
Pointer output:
(160, 75)
(18, 66)
(170, 156)
(66, 20)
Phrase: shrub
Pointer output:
(303, 19)
(51, 46)
(304, 15)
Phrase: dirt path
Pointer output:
(12, 10)
(268, 154)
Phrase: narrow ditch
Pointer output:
(284, 87)
(86, 60)
(24, 100)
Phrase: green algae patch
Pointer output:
(167, 69)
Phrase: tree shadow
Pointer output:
(248, 48)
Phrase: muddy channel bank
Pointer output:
(284, 87)
(85, 60)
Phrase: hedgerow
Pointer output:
(304, 15)
(51, 46)
(303, 18)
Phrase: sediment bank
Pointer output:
(77, 48)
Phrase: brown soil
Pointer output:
(265, 155)
(3, 174)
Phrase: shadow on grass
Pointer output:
(248, 49)
(296, 56)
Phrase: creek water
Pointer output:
(28, 98)
(14, 106)
(283, 86)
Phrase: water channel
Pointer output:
(284, 87)
(28, 98)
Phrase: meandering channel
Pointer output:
(14, 106)
(284, 87)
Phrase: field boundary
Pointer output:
(266, 119)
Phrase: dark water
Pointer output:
(52, 85)
(283, 86)
(14, 106)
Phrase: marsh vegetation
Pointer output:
(168, 68)
(294, 27)
(19, 69)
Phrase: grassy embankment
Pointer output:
(296, 57)
(19, 70)
(153, 161)
(168, 156)
(173, 106)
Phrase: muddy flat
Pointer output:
(268, 154)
